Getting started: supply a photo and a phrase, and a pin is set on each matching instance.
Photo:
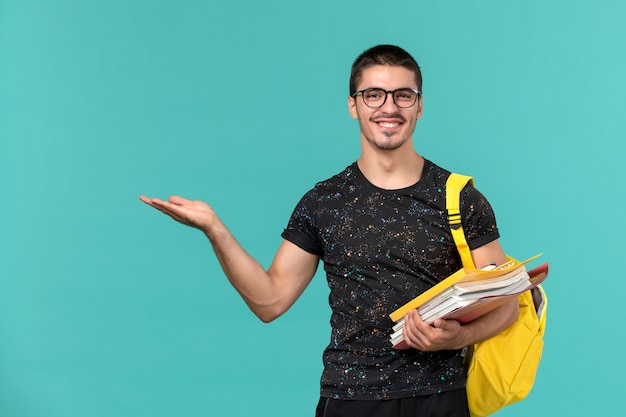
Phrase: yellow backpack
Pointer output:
(501, 369)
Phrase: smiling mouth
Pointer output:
(388, 124)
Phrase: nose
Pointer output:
(389, 103)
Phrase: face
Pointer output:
(388, 127)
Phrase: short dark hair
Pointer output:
(384, 55)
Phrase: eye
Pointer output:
(405, 95)
(373, 94)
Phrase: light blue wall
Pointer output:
(107, 308)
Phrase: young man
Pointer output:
(381, 229)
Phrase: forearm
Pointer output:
(268, 293)
(489, 325)
(245, 273)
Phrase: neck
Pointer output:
(392, 170)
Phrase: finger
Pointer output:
(179, 201)
(446, 325)
(173, 201)
(161, 207)
(149, 201)
(441, 324)
(165, 207)
(420, 325)
(413, 332)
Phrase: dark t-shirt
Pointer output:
(381, 248)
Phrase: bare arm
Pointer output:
(450, 334)
(268, 293)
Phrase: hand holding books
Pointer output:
(468, 294)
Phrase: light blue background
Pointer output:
(108, 308)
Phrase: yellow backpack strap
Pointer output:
(454, 185)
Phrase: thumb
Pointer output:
(442, 324)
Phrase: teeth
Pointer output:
(386, 124)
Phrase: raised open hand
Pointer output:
(195, 213)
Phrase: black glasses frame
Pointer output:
(418, 94)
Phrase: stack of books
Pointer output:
(468, 294)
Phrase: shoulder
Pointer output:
(336, 185)
(438, 176)
(434, 174)
(435, 177)
(432, 183)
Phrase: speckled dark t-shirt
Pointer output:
(381, 248)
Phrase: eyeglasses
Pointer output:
(376, 97)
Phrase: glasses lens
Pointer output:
(374, 97)
(404, 97)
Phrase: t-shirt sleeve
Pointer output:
(301, 229)
(478, 218)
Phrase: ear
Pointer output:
(352, 107)
(419, 108)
